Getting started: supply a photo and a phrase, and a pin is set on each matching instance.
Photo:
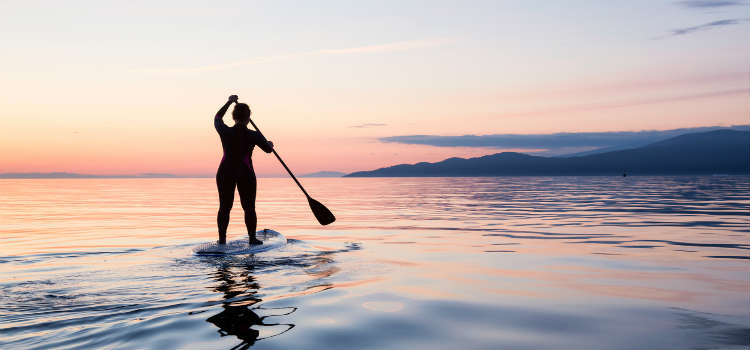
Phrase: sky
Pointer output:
(132, 87)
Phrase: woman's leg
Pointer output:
(225, 183)
(246, 186)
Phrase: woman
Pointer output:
(236, 168)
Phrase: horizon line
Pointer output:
(75, 175)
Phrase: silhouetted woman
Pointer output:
(236, 168)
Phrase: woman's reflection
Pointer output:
(238, 317)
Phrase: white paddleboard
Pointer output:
(270, 238)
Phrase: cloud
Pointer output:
(702, 4)
(396, 46)
(366, 49)
(368, 125)
(552, 142)
(631, 103)
(709, 25)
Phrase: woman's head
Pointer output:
(241, 113)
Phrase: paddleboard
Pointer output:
(270, 238)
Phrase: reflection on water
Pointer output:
(584, 262)
(242, 314)
(238, 318)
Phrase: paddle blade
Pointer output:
(322, 213)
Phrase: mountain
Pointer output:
(324, 174)
(649, 138)
(56, 175)
(600, 150)
(713, 152)
(63, 175)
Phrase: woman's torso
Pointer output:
(238, 143)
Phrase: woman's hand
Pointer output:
(220, 114)
(270, 144)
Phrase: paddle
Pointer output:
(322, 213)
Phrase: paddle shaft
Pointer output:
(282, 162)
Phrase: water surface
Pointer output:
(511, 262)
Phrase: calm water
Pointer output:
(548, 262)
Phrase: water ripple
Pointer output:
(528, 262)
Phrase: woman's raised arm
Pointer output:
(218, 119)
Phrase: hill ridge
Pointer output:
(722, 151)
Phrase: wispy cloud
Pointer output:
(396, 46)
(575, 140)
(368, 125)
(703, 4)
(366, 49)
(631, 103)
(706, 26)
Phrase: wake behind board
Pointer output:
(270, 238)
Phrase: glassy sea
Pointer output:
(410, 263)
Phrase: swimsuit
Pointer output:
(236, 169)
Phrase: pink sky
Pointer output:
(107, 96)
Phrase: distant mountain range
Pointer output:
(324, 174)
(649, 138)
(713, 152)
(64, 175)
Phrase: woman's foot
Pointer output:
(255, 241)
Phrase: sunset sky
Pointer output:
(131, 87)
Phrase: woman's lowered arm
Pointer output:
(265, 145)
